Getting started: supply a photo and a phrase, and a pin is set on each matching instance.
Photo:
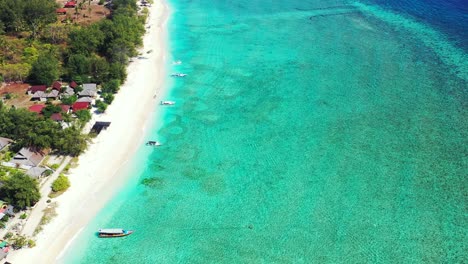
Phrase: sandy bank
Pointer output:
(95, 180)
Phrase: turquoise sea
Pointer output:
(306, 131)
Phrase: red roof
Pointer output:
(73, 84)
(70, 4)
(65, 108)
(36, 108)
(61, 11)
(57, 85)
(36, 88)
(80, 106)
(56, 117)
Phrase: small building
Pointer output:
(80, 106)
(89, 90)
(36, 172)
(57, 86)
(68, 92)
(36, 88)
(85, 99)
(56, 117)
(36, 108)
(54, 94)
(39, 96)
(70, 4)
(99, 126)
(61, 11)
(65, 108)
(4, 142)
(73, 85)
(27, 158)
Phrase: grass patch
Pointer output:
(49, 214)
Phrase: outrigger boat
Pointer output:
(153, 143)
(178, 75)
(177, 62)
(116, 232)
(167, 102)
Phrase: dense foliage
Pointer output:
(95, 53)
(21, 15)
(20, 191)
(61, 184)
(30, 130)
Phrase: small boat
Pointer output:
(153, 143)
(149, 51)
(115, 232)
(178, 75)
(177, 62)
(167, 102)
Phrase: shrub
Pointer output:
(101, 106)
(19, 242)
(54, 166)
(61, 184)
(101, 2)
(31, 243)
(23, 216)
(5, 218)
(8, 96)
(8, 235)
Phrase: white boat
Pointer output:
(177, 62)
(153, 143)
(167, 102)
(178, 75)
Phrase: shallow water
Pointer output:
(305, 132)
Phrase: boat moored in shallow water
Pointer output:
(153, 143)
(167, 102)
(178, 75)
(114, 232)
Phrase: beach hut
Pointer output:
(61, 11)
(80, 106)
(4, 142)
(65, 108)
(73, 85)
(99, 126)
(57, 86)
(27, 158)
(56, 117)
(36, 88)
(36, 108)
(70, 4)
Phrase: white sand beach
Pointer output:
(96, 180)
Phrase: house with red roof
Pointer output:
(57, 86)
(80, 106)
(56, 117)
(70, 4)
(61, 11)
(65, 108)
(36, 108)
(73, 84)
(36, 88)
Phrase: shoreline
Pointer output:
(97, 179)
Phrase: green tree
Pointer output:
(71, 141)
(78, 65)
(85, 40)
(39, 13)
(108, 98)
(45, 69)
(69, 100)
(20, 191)
(83, 115)
(61, 184)
(101, 106)
(51, 109)
(111, 86)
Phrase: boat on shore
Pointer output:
(167, 102)
(178, 75)
(114, 232)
